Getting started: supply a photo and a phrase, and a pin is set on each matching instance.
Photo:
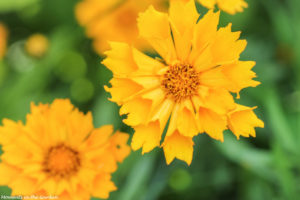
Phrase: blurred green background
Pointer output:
(261, 168)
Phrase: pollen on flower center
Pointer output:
(61, 161)
(180, 81)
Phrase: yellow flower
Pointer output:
(58, 152)
(37, 45)
(3, 40)
(187, 90)
(229, 6)
(110, 20)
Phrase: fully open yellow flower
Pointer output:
(113, 20)
(189, 86)
(59, 152)
(229, 6)
(3, 40)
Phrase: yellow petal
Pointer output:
(66, 196)
(9, 131)
(242, 121)
(146, 65)
(49, 185)
(162, 112)
(232, 6)
(63, 185)
(214, 78)
(146, 136)
(188, 17)
(138, 111)
(183, 120)
(120, 59)
(157, 96)
(7, 173)
(86, 11)
(37, 124)
(240, 75)
(85, 177)
(79, 126)
(213, 124)
(81, 193)
(122, 88)
(186, 123)
(183, 25)
(219, 100)
(98, 137)
(204, 33)
(102, 186)
(178, 146)
(209, 3)
(154, 27)
(23, 186)
(119, 146)
(105, 162)
(148, 82)
(226, 47)
(204, 60)
(173, 120)
(15, 155)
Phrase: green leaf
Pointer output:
(256, 160)
(284, 173)
(14, 5)
(137, 178)
(278, 121)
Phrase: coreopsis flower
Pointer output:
(37, 45)
(3, 40)
(58, 152)
(188, 89)
(113, 20)
(229, 6)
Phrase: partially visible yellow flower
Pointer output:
(37, 45)
(113, 20)
(229, 6)
(3, 40)
(188, 90)
(58, 152)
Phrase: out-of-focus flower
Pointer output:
(58, 152)
(3, 40)
(113, 20)
(189, 86)
(229, 6)
(37, 45)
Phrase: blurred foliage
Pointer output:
(261, 168)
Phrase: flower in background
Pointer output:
(113, 20)
(3, 40)
(59, 152)
(188, 90)
(37, 45)
(229, 6)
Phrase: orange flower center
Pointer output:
(61, 161)
(181, 81)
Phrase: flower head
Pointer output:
(3, 40)
(113, 20)
(188, 90)
(37, 45)
(229, 6)
(58, 152)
